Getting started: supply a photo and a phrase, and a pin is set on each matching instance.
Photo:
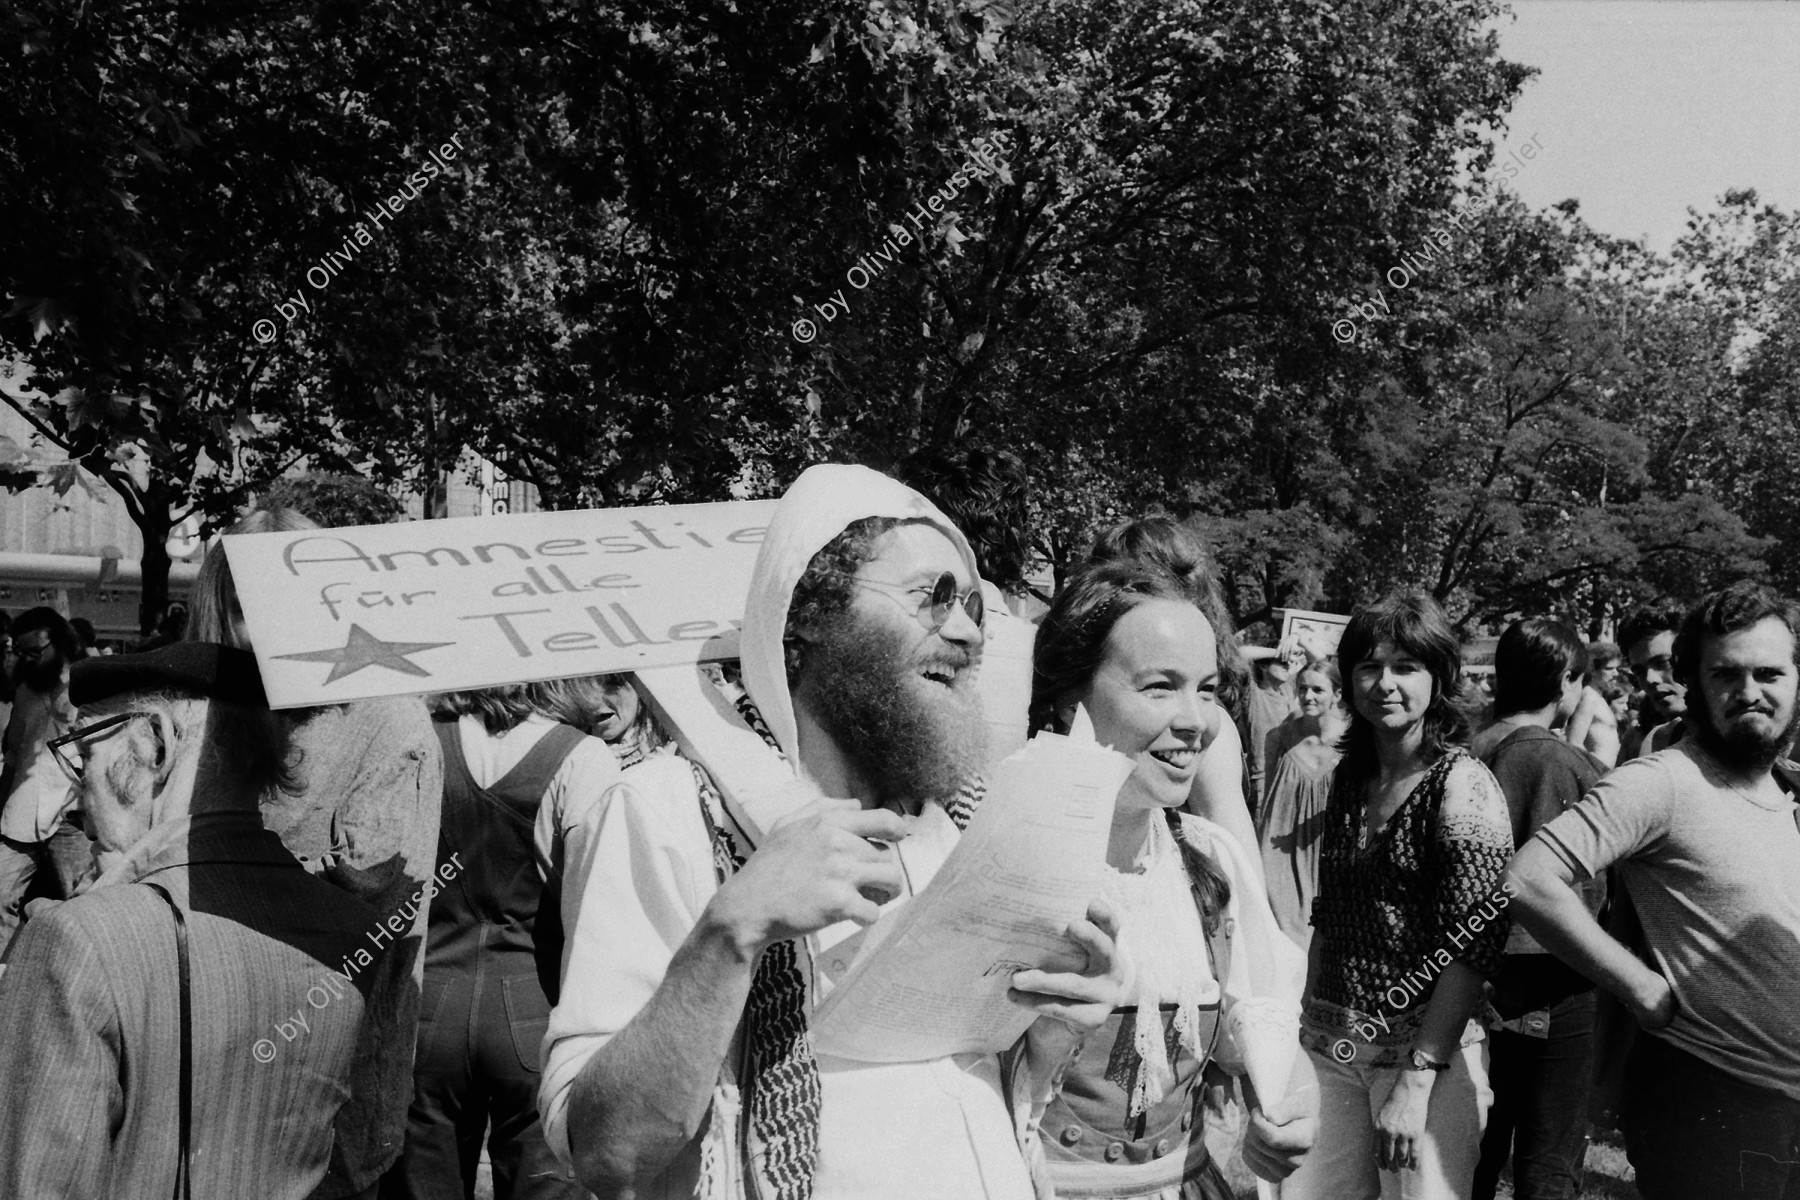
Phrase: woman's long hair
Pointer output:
(1071, 645)
(499, 709)
(573, 701)
(1416, 624)
(214, 615)
(213, 603)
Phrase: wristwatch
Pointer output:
(1424, 1062)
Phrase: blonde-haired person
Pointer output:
(611, 708)
(1291, 822)
(363, 815)
(214, 614)
(608, 707)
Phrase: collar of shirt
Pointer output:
(1766, 793)
(209, 837)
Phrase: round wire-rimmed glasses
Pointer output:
(940, 599)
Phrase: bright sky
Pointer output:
(1645, 108)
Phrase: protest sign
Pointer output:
(472, 602)
(1321, 629)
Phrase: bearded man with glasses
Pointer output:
(678, 1062)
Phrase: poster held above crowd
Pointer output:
(471, 602)
(382, 610)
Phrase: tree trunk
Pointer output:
(436, 500)
(435, 495)
(155, 525)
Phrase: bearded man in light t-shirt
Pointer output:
(1707, 844)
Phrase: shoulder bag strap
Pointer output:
(184, 1167)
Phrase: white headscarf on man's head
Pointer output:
(820, 505)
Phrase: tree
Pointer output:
(334, 500)
(1744, 260)
(610, 308)
(173, 175)
(1120, 239)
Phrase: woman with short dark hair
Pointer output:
(1408, 922)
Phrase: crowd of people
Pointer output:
(1414, 930)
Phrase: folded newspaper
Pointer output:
(933, 976)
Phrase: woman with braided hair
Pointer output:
(1158, 540)
(1216, 979)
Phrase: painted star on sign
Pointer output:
(364, 649)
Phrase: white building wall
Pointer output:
(39, 521)
(82, 525)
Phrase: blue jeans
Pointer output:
(1539, 1118)
(1693, 1131)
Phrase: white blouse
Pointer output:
(636, 887)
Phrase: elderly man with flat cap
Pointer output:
(186, 1026)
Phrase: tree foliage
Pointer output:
(1122, 239)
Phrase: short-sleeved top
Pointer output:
(1542, 776)
(887, 1131)
(1713, 870)
(1423, 892)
